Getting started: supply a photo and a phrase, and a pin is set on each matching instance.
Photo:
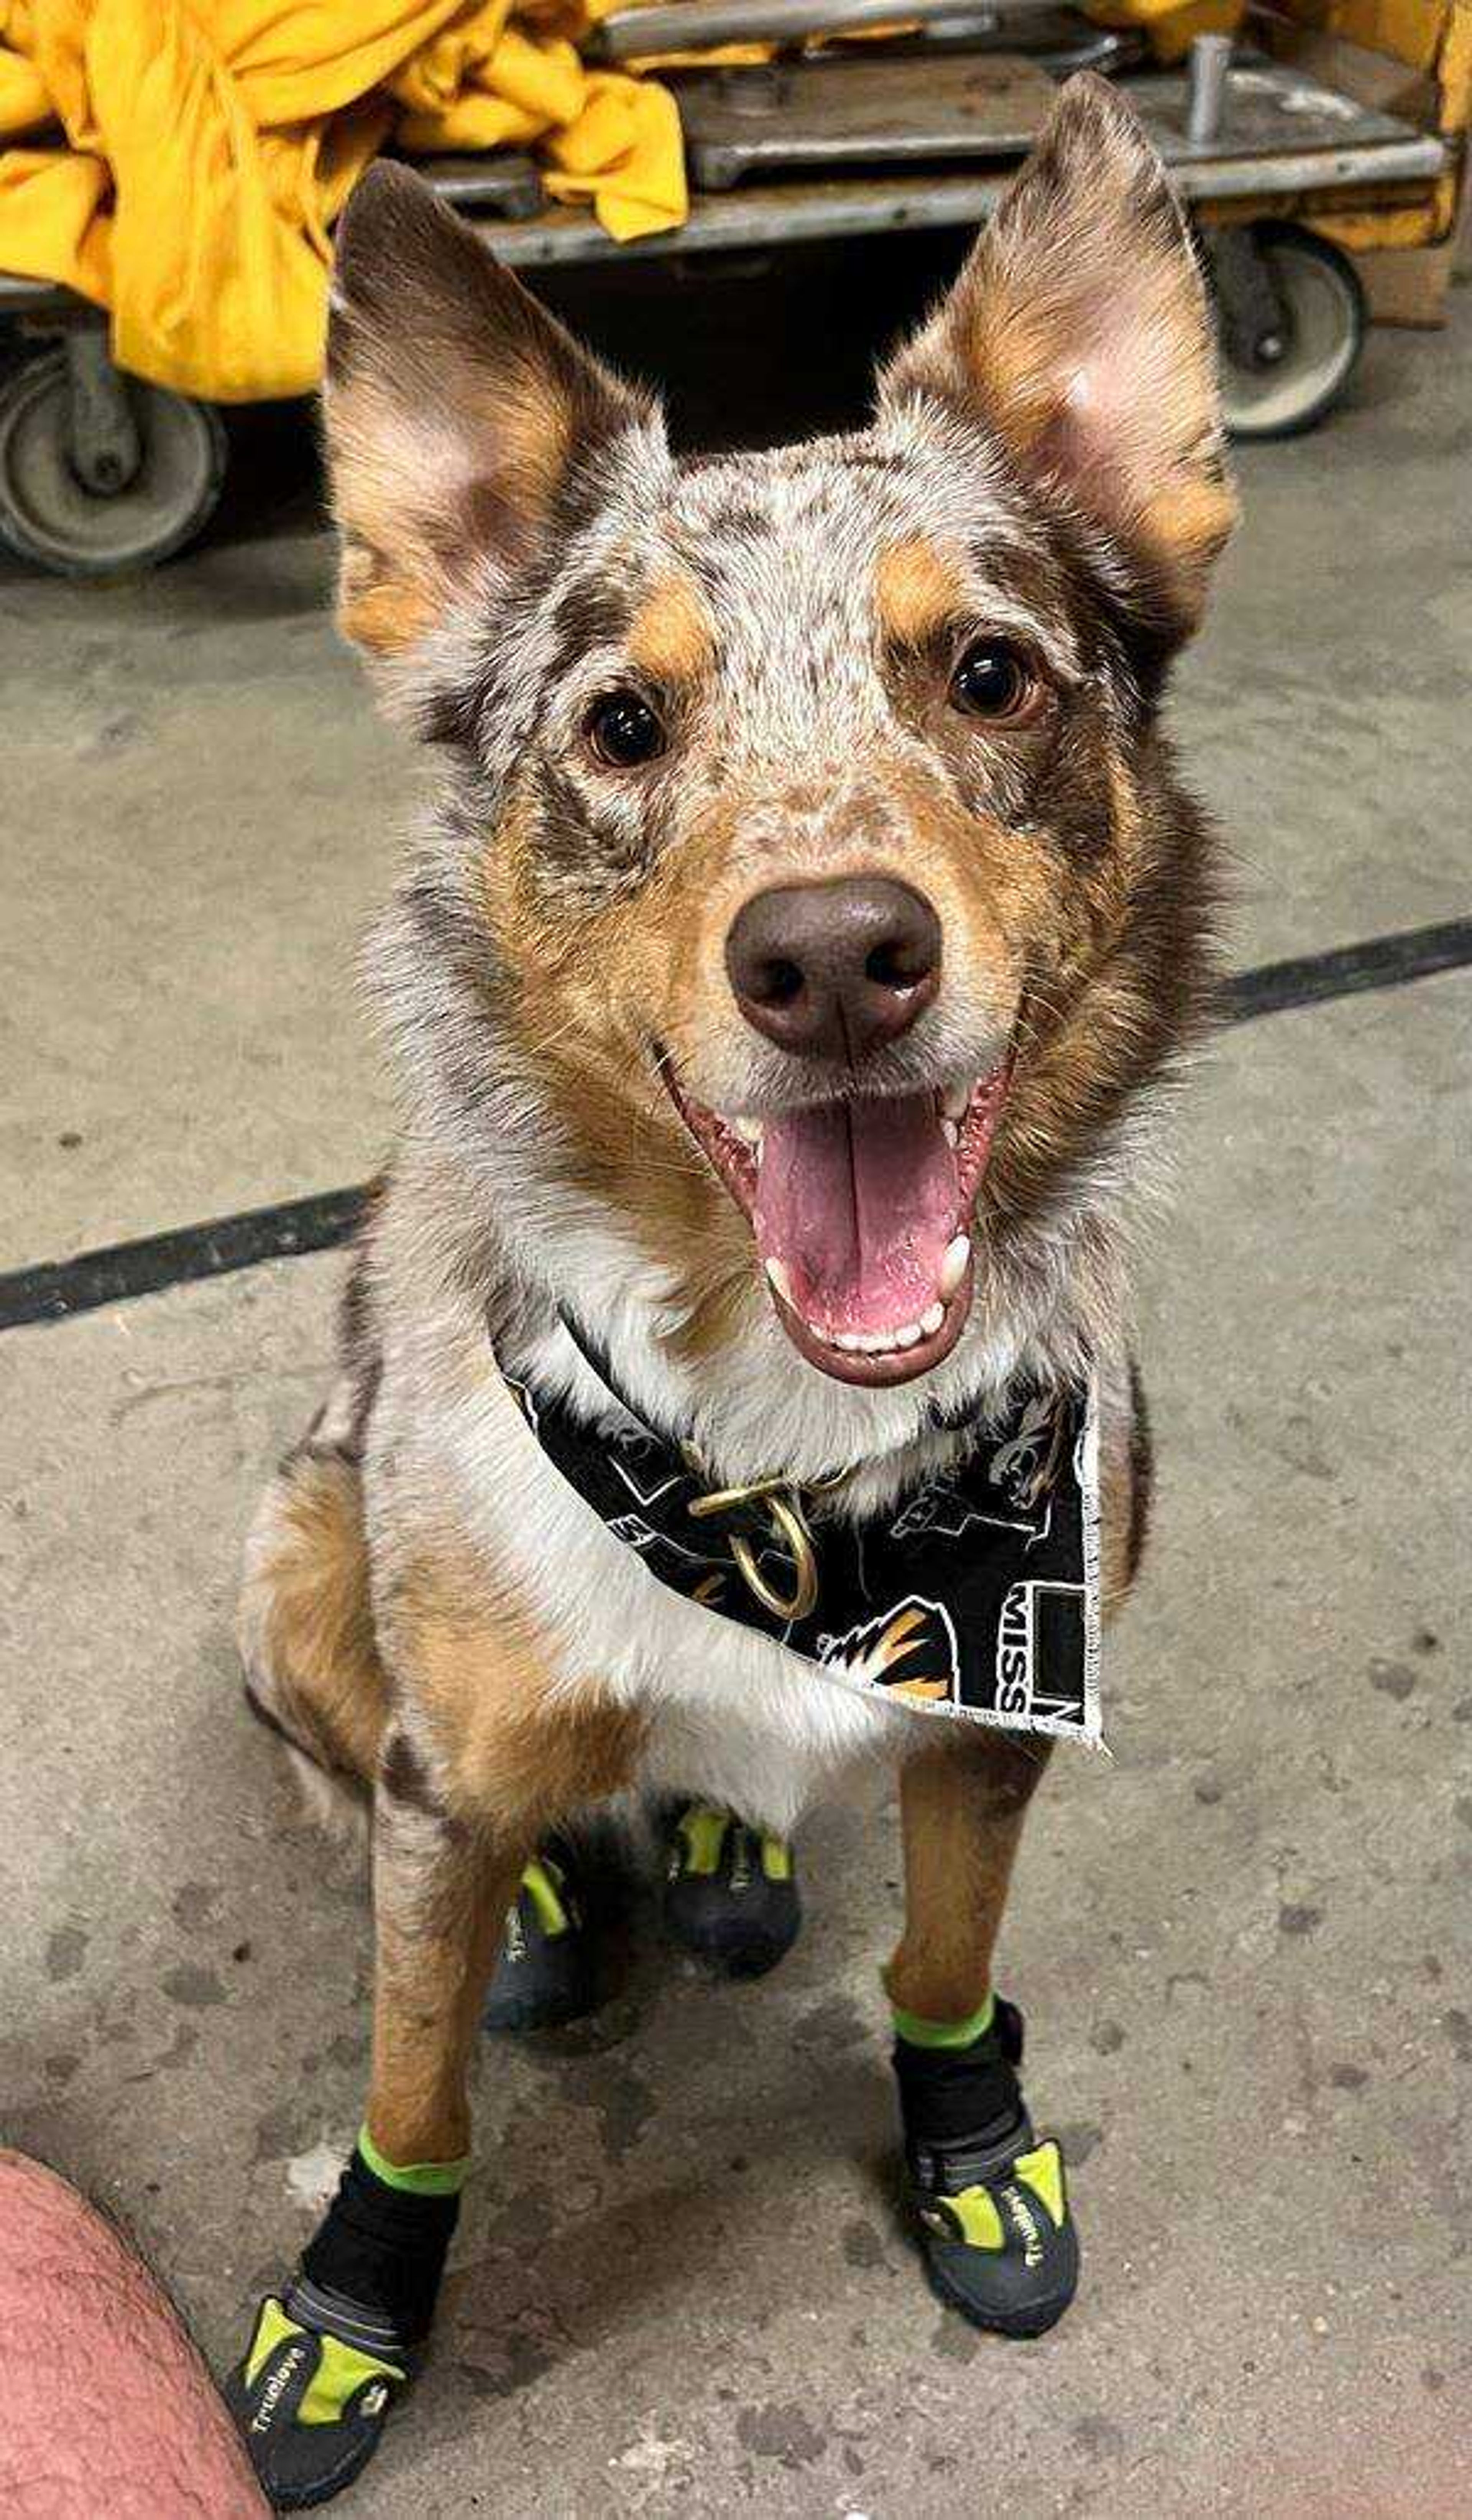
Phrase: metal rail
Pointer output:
(783, 214)
(698, 26)
(774, 214)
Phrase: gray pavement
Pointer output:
(1244, 1944)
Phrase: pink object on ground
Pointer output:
(105, 2405)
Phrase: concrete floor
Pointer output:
(1245, 1946)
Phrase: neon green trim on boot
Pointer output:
(703, 1828)
(1043, 2172)
(543, 1881)
(341, 2370)
(919, 2033)
(970, 2216)
(338, 2376)
(272, 2328)
(416, 2177)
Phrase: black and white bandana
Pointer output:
(976, 1595)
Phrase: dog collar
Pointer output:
(975, 1594)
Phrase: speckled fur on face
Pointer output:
(797, 690)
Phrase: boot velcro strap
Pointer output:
(944, 2168)
(332, 2313)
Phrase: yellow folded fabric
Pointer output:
(625, 155)
(50, 203)
(25, 99)
(203, 148)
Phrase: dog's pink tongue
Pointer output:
(858, 1200)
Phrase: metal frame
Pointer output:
(975, 112)
(701, 25)
(784, 213)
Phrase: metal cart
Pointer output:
(1282, 166)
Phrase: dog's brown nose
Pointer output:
(833, 969)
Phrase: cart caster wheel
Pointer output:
(48, 513)
(1321, 300)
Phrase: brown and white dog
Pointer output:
(804, 922)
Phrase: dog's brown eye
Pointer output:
(623, 730)
(992, 680)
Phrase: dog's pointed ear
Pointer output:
(460, 416)
(1079, 334)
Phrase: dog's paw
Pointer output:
(731, 1895)
(310, 2408)
(1004, 2253)
(990, 2196)
(543, 1975)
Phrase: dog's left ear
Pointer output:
(1078, 334)
(463, 425)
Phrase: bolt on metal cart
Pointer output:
(1330, 139)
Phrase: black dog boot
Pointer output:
(543, 1975)
(730, 1893)
(327, 2361)
(990, 2199)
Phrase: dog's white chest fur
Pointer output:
(732, 1716)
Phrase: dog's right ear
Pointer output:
(1079, 335)
(459, 414)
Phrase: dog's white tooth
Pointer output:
(953, 1266)
(778, 1274)
(953, 1100)
(750, 1130)
(909, 1336)
(930, 1322)
(872, 1342)
(951, 1133)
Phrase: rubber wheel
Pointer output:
(48, 517)
(1325, 301)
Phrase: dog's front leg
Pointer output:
(327, 2359)
(997, 2233)
(963, 1800)
(490, 1743)
(442, 1885)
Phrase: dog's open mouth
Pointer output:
(861, 1212)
